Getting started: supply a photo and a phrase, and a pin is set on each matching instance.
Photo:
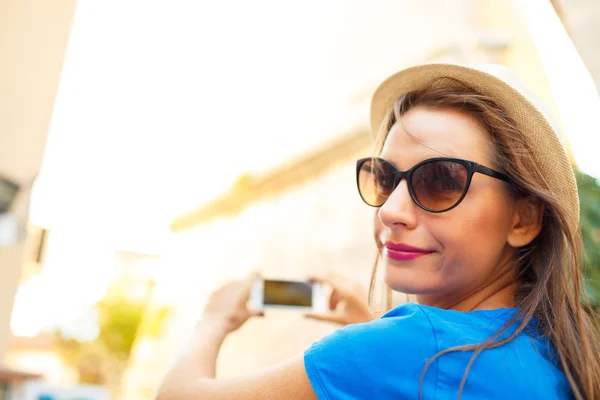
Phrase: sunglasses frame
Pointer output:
(471, 167)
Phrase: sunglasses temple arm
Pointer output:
(490, 172)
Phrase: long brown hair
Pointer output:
(550, 277)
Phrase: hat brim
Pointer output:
(542, 139)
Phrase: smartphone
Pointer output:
(297, 295)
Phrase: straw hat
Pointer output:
(516, 100)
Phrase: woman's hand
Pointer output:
(348, 301)
(225, 312)
(226, 306)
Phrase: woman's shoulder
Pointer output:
(407, 325)
(450, 328)
(436, 315)
(422, 325)
(409, 316)
(482, 323)
(394, 351)
(436, 323)
(391, 350)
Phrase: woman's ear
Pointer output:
(527, 221)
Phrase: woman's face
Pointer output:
(467, 246)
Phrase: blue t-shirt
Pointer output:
(384, 359)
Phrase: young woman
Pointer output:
(477, 216)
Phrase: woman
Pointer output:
(477, 216)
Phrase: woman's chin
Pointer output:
(411, 282)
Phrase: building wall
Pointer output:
(582, 20)
(33, 39)
(505, 19)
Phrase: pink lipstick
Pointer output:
(404, 252)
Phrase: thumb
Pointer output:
(249, 280)
(330, 279)
(254, 313)
(252, 275)
(336, 318)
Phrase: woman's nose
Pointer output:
(399, 208)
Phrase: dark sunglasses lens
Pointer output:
(376, 181)
(439, 185)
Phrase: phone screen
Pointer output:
(287, 293)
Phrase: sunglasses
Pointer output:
(436, 185)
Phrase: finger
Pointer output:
(340, 279)
(327, 280)
(318, 278)
(334, 299)
(348, 287)
(249, 313)
(252, 276)
(338, 319)
(249, 281)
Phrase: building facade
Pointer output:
(31, 37)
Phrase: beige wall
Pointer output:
(33, 40)
(504, 19)
(582, 20)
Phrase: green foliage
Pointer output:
(119, 321)
(589, 198)
(154, 321)
(102, 361)
(89, 359)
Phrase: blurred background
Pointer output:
(151, 150)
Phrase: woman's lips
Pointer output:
(404, 252)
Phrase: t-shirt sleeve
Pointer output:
(379, 359)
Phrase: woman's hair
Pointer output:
(551, 287)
